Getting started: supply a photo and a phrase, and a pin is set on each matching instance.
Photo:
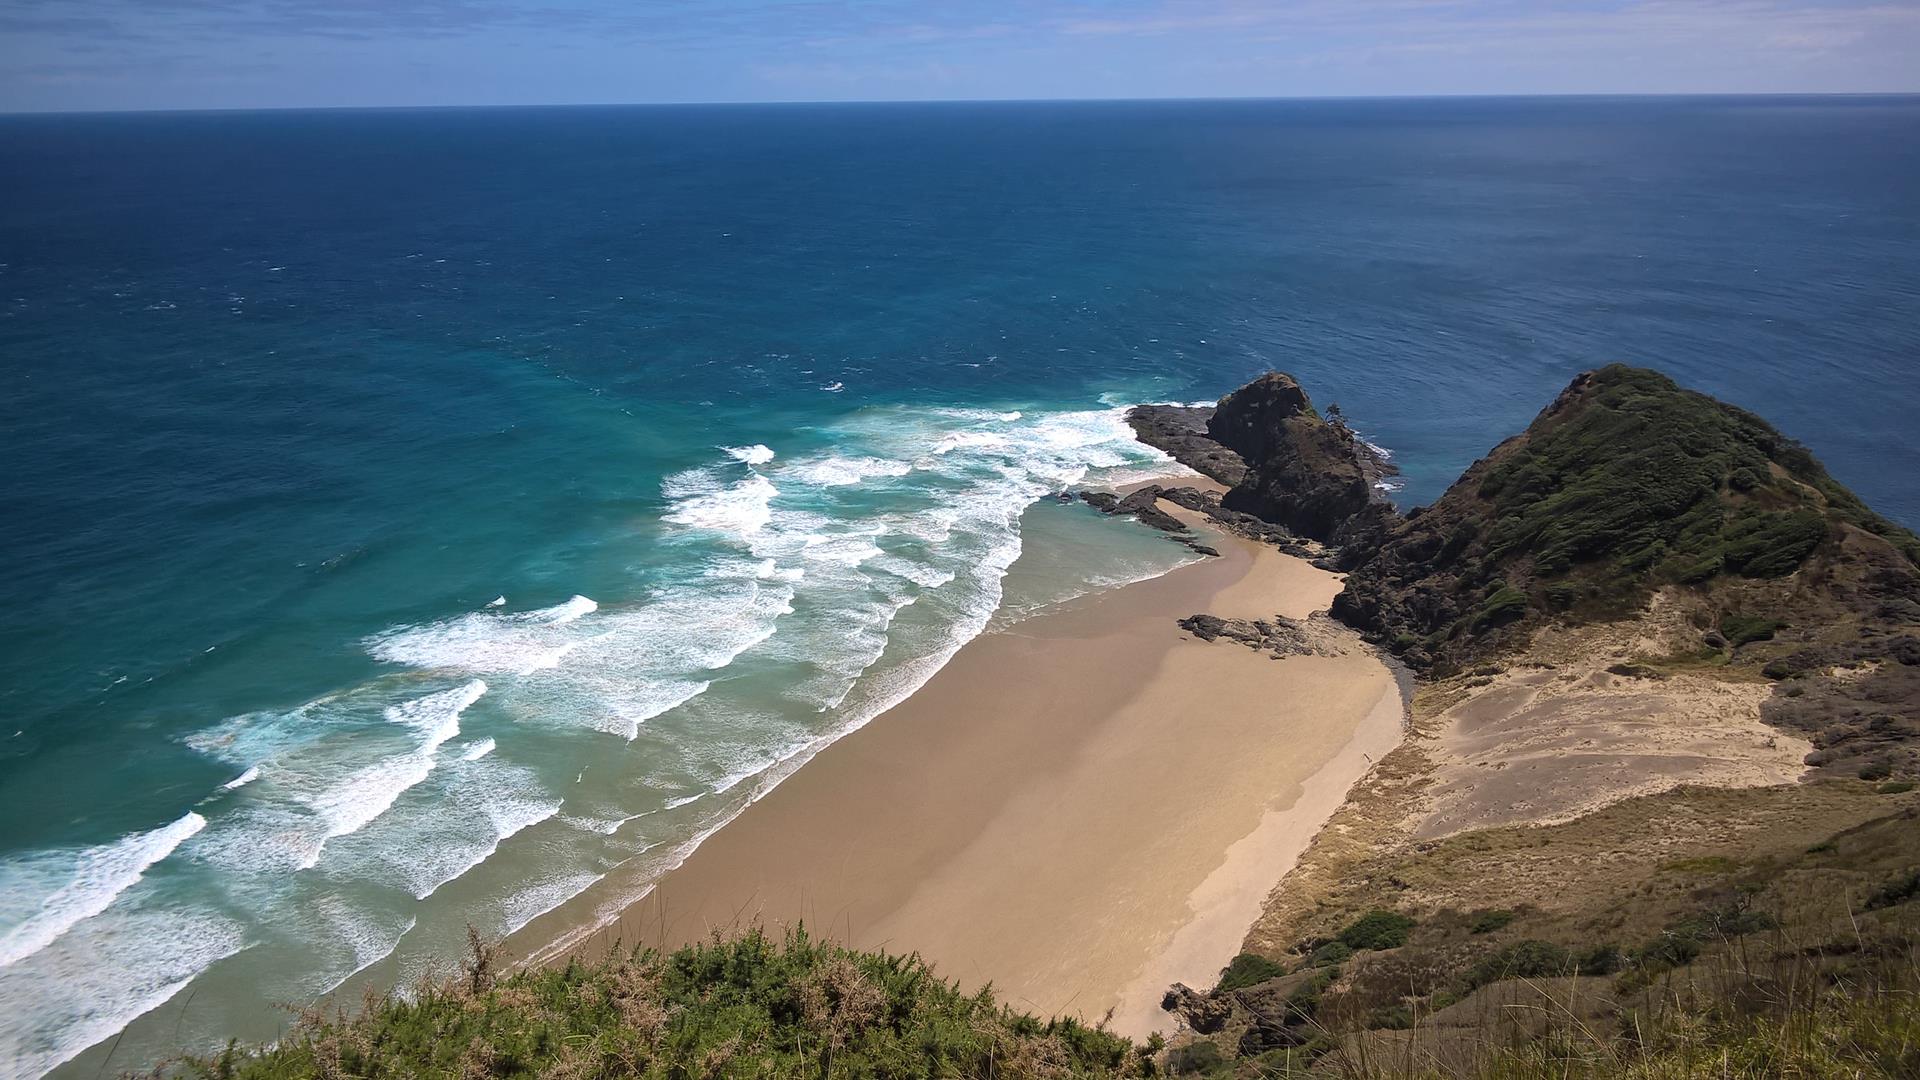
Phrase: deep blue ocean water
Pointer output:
(738, 413)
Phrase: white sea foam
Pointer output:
(521, 907)
(494, 802)
(100, 978)
(370, 791)
(437, 716)
(563, 613)
(834, 470)
(605, 826)
(488, 642)
(477, 749)
(756, 454)
(498, 601)
(252, 739)
(367, 938)
(251, 774)
(94, 878)
(622, 710)
(739, 509)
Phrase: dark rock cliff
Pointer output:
(1181, 431)
(1308, 473)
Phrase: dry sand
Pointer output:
(1080, 809)
(1562, 737)
(1550, 738)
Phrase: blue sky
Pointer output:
(116, 54)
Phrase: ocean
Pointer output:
(423, 518)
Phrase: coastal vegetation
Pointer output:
(1626, 484)
(1795, 958)
(747, 1006)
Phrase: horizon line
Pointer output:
(750, 103)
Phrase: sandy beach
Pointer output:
(1081, 808)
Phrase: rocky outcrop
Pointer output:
(1204, 1013)
(1310, 474)
(1281, 636)
(1290, 473)
(1181, 431)
(1143, 504)
(1647, 596)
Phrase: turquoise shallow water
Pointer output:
(739, 413)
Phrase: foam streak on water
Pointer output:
(370, 791)
(98, 875)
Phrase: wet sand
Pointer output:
(1080, 809)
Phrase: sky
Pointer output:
(196, 54)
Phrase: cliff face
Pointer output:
(1305, 472)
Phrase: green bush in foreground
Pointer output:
(750, 1007)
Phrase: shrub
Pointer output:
(1528, 959)
(1195, 1059)
(1603, 959)
(1377, 929)
(1248, 969)
(1894, 787)
(1561, 595)
(1486, 922)
(1772, 545)
(1741, 629)
(1391, 1018)
(1682, 941)
(1332, 952)
(1898, 891)
(1304, 1001)
(1507, 604)
(1706, 865)
(1876, 770)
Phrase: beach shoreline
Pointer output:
(1078, 809)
